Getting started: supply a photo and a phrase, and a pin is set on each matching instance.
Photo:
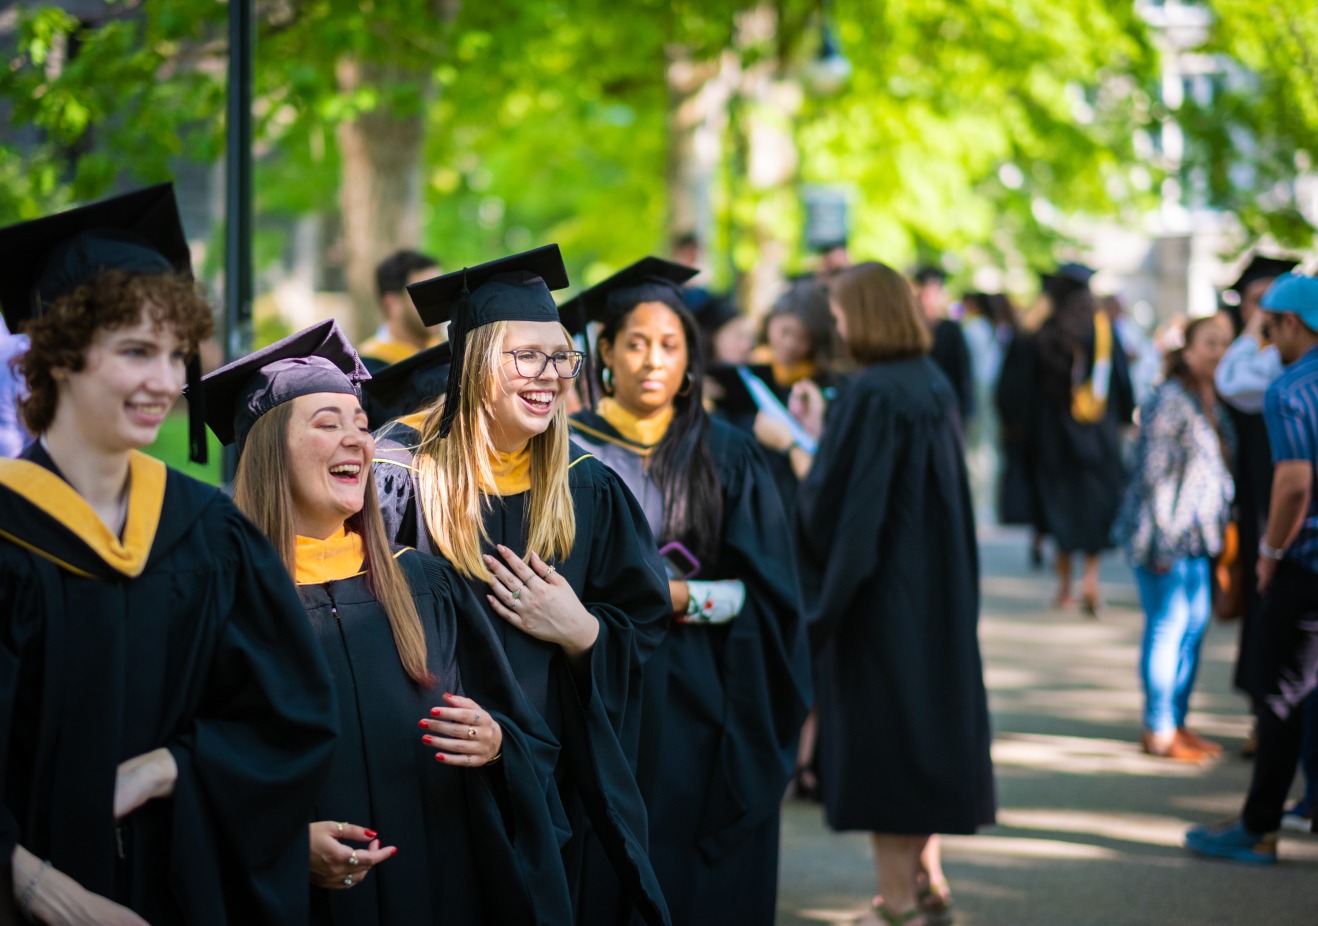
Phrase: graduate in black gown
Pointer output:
(1082, 398)
(891, 575)
(553, 542)
(464, 802)
(165, 714)
(728, 689)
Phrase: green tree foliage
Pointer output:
(1256, 130)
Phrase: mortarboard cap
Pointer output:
(1294, 292)
(1261, 268)
(316, 359)
(716, 313)
(650, 279)
(46, 258)
(514, 288)
(1066, 279)
(404, 387)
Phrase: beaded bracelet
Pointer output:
(25, 898)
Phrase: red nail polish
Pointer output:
(426, 740)
(393, 853)
(440, 756)
(371, 834)
(434, 711)
(424, 724)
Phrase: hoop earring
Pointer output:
(687, 385)
(606, 377)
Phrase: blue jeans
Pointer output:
(1177, 606)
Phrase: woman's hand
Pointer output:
(58, 899)
(464, 734)
(337, 866)
(772, 433)
(807, 404)
(681, 595)
(142, 778)
(538, 601)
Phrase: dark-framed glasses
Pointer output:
(531, 363)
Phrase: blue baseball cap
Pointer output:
(1294, 292)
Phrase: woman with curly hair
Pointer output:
(165, 715)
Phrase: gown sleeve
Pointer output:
(517, 815)
(766, 663)
(253, 758)
(396, 489)
(842, 506)
(20, 609)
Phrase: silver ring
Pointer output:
(341, 826)
(513, 603)
(518, 594)
(348, 881)
(352, 859)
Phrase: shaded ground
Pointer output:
(1089, 828)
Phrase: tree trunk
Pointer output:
(379, 185)
(698, 96)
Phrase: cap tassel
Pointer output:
(197, 450)
(457, 338)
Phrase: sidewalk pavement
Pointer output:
(1089, 829)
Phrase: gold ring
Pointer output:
(548, 571)
(341, 826)
(471, 732)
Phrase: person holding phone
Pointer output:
(727, 691)
(552, 542)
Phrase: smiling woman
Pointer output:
(407, 645)
(151, 588)
(553, 541)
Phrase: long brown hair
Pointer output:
(261, 491)
(452, 472)
(883, 322)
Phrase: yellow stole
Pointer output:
(789, 374)
(339, 556)
(512, 471)
(644, 431)
(50, 493)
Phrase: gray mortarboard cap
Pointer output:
(650, 279)
(404, 387)
(1261, 268)
(316, 359)
(514, 288)
(50, 257)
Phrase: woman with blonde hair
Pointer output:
(890, 567)
(553, 540)
(407, 647)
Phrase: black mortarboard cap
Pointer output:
(138, 232)
(716, 313)
(1262, 268)
(404, 387)
(514, 288)
(316, 359)
(1066, 279)
(650, 279)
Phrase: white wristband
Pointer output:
(1271, 553)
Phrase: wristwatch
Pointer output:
(1268, 552)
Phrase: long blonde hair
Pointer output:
(261, 491)
(452, 472)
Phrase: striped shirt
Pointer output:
(1290, 409)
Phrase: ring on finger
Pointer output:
(551, 569)
(341, 826)
(471, 732)
(517, 592)
(352, 859)
(347, 880)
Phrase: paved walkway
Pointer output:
(1089, 828)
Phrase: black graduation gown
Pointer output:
(594, 710)
(952, 355)
(475, 845)
(1013, 396)
(891, 574)
(205, 652)
(1078, 474)
(723, 704)
(1253, 478)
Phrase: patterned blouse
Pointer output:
(1179, 497)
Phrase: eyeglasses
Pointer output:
(531, 363)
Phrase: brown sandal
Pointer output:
(909, 918)
(936, 903)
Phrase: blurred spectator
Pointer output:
(728, 335)
(1141, 355)
(14, 437)
(949, 349)
(403, 333)
(1172, 524)
(988, 323)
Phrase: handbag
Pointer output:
(1229, 577)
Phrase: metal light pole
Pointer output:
(238, 196)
